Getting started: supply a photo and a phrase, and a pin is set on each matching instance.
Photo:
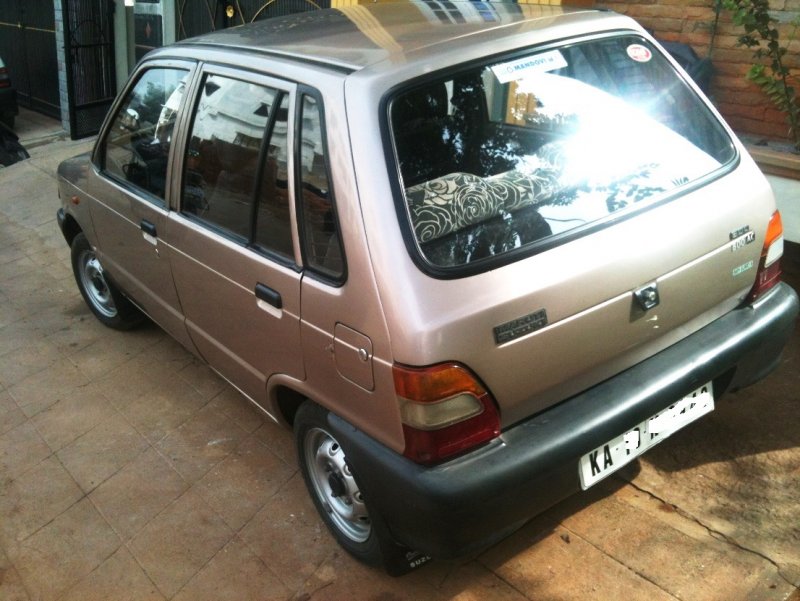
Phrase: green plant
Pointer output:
(771, 73)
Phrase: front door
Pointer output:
(231, 243)
(131, 209)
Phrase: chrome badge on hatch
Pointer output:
(741, 238)
(519, 327)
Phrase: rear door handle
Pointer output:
(269, 296)
(149, 231)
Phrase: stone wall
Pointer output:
(742, 103)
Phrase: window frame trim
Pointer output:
(341, 279)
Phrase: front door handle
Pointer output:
(148, 228)
(269, 296)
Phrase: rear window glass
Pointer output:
(510, 153)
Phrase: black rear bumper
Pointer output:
(466, 504)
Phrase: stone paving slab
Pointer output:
(129, 471)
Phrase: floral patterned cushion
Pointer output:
(458, 200)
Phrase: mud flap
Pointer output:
(397, 559)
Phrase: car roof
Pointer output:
(354, 37)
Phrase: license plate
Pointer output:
(608, 458)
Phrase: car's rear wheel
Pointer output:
(333, 485)
(100, 294)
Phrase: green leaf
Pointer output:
(763, 38)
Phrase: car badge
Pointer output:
(741, 238)
(521, 326)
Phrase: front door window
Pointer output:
(139, 139)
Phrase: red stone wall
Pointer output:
(742, 103)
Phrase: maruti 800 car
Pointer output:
(477, 258)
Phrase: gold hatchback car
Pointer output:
(477, 257)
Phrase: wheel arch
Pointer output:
(70, 228)
(287, 401)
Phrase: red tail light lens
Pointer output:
(5, 80)
(445, 411)
(769, 267)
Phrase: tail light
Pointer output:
(769, 267)
(445, 411)
(5, 80)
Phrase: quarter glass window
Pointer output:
(138, 143)
(321, 236)
(223, 153)
(507, 154)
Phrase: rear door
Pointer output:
(232, 248)
(130, 208)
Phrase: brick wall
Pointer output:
(742, 103)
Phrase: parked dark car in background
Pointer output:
(8, 97)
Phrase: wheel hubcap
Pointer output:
(335, 485)
(94, 283)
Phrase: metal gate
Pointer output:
(202, 16)
(28, 47)
(89, 51)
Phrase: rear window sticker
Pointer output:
(539, 63)
(639, 53)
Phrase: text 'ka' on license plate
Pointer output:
(608, 458)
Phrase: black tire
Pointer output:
(100, 294)
(8, 119)
(333, 487)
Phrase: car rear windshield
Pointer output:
(514, 155)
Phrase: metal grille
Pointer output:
(28, 47)
(89, 48)
(199, 16)
(196, 17)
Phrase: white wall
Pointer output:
(123, 41)
(787, 197)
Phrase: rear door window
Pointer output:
(235, 180)
(498, 160)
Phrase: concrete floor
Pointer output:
(129, 471)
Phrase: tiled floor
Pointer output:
(129, 471)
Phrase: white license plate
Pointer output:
(608, 458)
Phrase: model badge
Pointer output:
(519, 327)
(741, 238)
(740, 232)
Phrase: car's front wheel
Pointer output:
(102, 297)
